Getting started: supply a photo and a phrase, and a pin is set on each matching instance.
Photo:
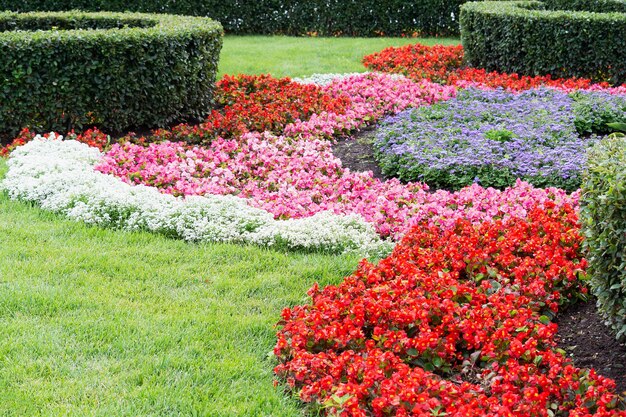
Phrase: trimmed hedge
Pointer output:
(598, 6)
(603, 218)
(293, 17)
(531, 38)
(68, 70)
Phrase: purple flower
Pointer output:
(490, 137)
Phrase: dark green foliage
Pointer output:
(599, 6)
(601, 114)
(534, 38)
(603, 218)
(72, 70)
(293, 17)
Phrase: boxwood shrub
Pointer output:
(67, 70)
(603, 218)
(535, 38)
(598, 6)
(293, 17)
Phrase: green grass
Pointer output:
(108, 323)
(100, 322)
(297, 57)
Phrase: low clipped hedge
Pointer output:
(292, 17)
(603, 218)
(535, 38)
(60, 71)
(598, 6)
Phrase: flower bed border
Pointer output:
(59, 176)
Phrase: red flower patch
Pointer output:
(432, 63)
(92, 137)
(443, 64)
(453, 323)
(259, 103)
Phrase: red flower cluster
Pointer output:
(244, 103)
(92, 137)
(432, 63)
(450, 324)
(443, 64)
(466, 77)
(257, 103)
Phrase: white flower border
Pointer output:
(59, 175)
(325, 79)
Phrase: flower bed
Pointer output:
(296, 175)
(419, 62)
(299, 179)
(59, 176)
(454, 322)
(257, 103)
(443, 64)
(495, 137)
(372, 96)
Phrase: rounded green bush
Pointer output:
(538, 38)
(603, 221)
(69, 70)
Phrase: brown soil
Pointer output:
(582, 333)
(357, 152)
(591, 344)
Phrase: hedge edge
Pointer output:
(289, 17)
(142, 70)
(603, 220)
(525, 37)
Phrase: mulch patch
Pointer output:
(590, 343)
(357, 152)
(582, 332)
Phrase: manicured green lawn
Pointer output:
(296, 57)
(98, 322)
(108, 323)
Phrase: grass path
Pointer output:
(100, 322)
(284, 56)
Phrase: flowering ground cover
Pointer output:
(296, 175)
(455, 322)
(495, 137)
(443, 64)
(59, 176)
(317, 182)
(257, 103)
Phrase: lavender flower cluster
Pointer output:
(489, 137)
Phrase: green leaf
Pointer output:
(412, 352)
(617, 126)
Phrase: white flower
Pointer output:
(59, 176)
(325, 79)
